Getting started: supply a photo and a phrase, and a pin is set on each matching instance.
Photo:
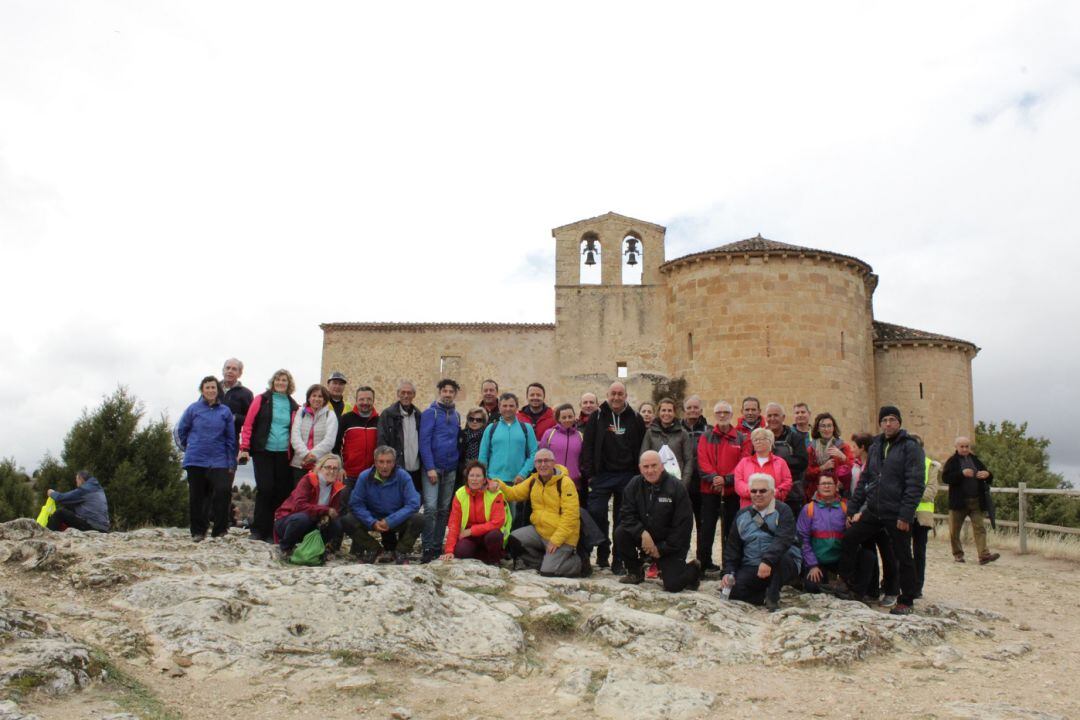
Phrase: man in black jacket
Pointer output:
(609, 458)
(399, 428)
(969, 496)
(657, 519)
(789, 444)
(237, 397)
(888, 492)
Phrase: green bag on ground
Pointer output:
(310, 550)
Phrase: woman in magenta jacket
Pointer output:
(564, 441)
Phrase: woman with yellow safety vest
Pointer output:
(479, 522)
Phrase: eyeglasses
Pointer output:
(760, 491)
(476, 419)
(332, 468)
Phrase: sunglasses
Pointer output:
(476, 419)
(759, 492)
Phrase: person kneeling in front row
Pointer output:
(315, 502)
(656, 519)
(384, 500)
(761, 554)
(479, 521)
(549, 543)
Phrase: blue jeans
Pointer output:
(437, 499)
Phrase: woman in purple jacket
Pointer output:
(207, 435)
(564, 441)
(820, 529)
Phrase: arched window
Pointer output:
(589, 262)
(633, 254)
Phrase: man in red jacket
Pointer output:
(358, 435)
(719, 451)
(536, 412)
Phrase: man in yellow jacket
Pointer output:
(549, 543)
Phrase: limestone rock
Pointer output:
(629, 695)
(997, 711)
(1008, 651)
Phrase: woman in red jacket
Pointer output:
(829, 456)
(314, 503)
(762, 461)
(477, 527)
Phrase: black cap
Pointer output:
(889, 410)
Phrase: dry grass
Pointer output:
(1058, 546)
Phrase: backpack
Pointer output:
(811, 504)
(490, 430)
(310, 551)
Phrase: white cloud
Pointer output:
(183, 183)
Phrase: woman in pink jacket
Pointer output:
(564, 441)
(762, 461)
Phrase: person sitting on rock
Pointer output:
(820, 528)
(385, 501)
(761, 554)
(479, 523)
(315, 502)
(84, 508)
(549, 543)
(656, 520)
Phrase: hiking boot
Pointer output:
(695, 579)
(902, 609)
(958, 558)
(586, 568)
(837, 588)
(633, 578)
(602, 561)
(198, 538)
(889, 601)
(618, 567)
(989, 558)
(428, 556)
(401, 559)
(772, 604)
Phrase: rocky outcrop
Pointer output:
(230, 608)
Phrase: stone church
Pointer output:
(755, 317)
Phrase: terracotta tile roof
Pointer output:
(419, 327)
(888, 334)
(757, 246)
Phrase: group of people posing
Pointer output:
(544, 486)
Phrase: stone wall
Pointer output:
(789, 329)
(381, 354)
(932, 387)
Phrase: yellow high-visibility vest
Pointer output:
(928, 505)
(465, 500)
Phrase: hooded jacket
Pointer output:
(612, 441)
(359, 438)
(88, 502)
(663, 509)
(820, 532)
(893, 480)
(439, 426)
(556, 512)
(207, 435)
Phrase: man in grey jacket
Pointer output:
(84, 508)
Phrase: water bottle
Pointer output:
(725, 592)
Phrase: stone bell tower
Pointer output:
(610, 329)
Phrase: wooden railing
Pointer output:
(1021, 524)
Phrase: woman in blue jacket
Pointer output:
(207, 436)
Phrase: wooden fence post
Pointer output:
(1021, 516)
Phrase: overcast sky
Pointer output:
(181, 182)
